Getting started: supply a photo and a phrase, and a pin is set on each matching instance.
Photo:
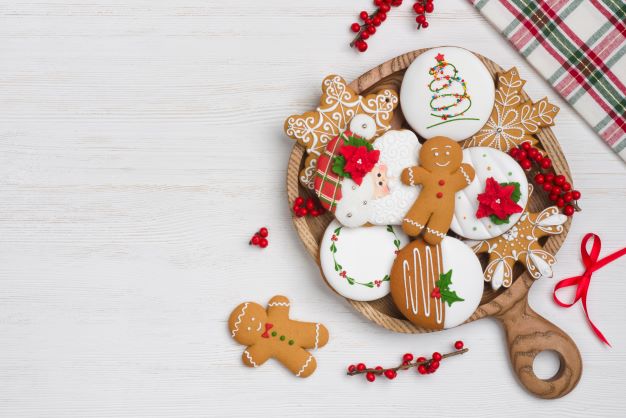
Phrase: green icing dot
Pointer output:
(290, 342)
(510, 174)
(474, 229)
(484, 155)
(282, 338)
(273, 333)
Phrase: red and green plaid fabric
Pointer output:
(579, 47)
(326, 182)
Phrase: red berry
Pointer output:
(434, 364)
(382, 16)
(264, 232)
(525, 164)
(532, 153)
(360, 367)
(370, 377)
(559, 180)
(355, 27)
(419, 9)
(420, 19)
(361, 46)
(539, 158)
(377, 3)
(547, 187)
(549, 177)
(567, 186)
(315, 213)
(421, 359)
(421, 369)
(425, 25)
(407, 357)
(522, 155)
(526, 146)
(363, 15)
(513, 152)
(568, 210)
(310, 204)
(437, 356)
(575, 194)
(405, 363)
(351, 368)
(396, 3)
(263, 242)
(560, 203)
(553, 197)
(539, 178)
(429, 7)
(302, 212)
(546, 163)
(458, 345)
(367, 22)
(390, 374)
(255, 240)
(376, 21)
(384, 8)
(556, 190)
(371, 29)
(568, 197)
(299, 201)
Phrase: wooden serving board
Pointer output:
(527, 332)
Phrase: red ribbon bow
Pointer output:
(592, 264)
(268, 327)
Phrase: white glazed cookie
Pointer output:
(487, 162)
(356, 261)
(355, 209)
(437, 286)
(448, 92)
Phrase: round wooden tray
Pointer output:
(527, 332)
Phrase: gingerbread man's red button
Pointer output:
(439, 195)
(442, 182)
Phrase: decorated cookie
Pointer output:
(448, 92)
(271, 334)
(441, 175)
(360, 182)
(356, 261)
(436, 287)
(495, 199)
(340, 109)
(520, 243)
(513, 119)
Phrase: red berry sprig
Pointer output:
(260, 238)
(370, 22)
(421, 7)
(556, 185)
(302, 207)
(423, 365)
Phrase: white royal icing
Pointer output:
(364, 126)
(249, 357)
(487, 162)
(366, 254)
(416, 96)
(239, 318)
(426, 269)
(305, 365)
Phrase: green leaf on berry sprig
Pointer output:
(447, 295)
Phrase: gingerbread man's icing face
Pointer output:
(441, 154)
(379, 177)
(248, 323)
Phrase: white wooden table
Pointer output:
(141, 146)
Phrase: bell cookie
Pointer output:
(494, 169)
(447, 91)
(339, 106)
(360, 183)
(269, 333)
(356, 261)
(441, 175)
(439, 286)
(513, 120)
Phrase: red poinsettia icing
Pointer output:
(359, 161)
(496, 200)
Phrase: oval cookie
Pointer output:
(436, 287)
(356, 261)
(487, 163)
(447, 91)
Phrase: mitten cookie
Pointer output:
(340, 109)
(271, 334)
(441, 175)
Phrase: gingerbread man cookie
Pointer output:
(441, 175)
(271, 334)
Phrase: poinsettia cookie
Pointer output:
(356, 261)
(360, 182)
(447, 91)
(438, 286)
(496, 198)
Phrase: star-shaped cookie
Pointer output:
(520, 243)
(339, 104)
(513, 120)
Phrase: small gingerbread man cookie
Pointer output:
(271, 334)
(441, 175)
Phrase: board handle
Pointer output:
(528, 334)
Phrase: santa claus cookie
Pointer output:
(494, 200)
(439, 286)
(356, 261)
(360, 182)
(269, 333)
(447, 92)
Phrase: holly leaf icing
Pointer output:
(447, 295)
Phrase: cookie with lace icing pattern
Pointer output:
(270, 333)
(339, 107)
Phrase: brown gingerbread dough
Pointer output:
(271, 334)
(441, 175)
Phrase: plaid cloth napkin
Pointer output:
(579, 47)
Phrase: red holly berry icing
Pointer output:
(498, 201)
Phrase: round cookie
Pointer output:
(438, 286)
(356, 261)
(448, 92)
(487, 163)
